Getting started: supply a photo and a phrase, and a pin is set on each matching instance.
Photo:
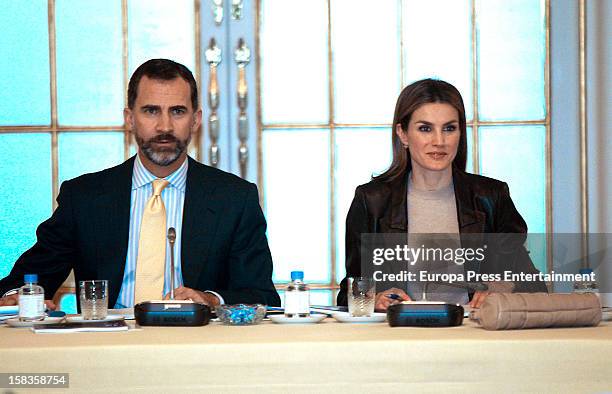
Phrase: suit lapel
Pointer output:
(399, 210)
(199, 222)
(112, 218)
(470, 220)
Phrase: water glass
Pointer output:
(361, 296)
(94, 299)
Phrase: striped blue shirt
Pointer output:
(173, 196)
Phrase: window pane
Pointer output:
(512, 50)
(80, 153)
(161, 29)
(438, 43)
(25, 193)
(321, 297)
(296, 192)
(357, 98)
(294, 72)
(24, 63)
(469, 167)
(89, 68)
(317, 297)
(517, 156)
(67, 304)
(360, 153)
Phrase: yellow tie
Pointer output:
(151, 262)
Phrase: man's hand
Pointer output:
(478, 298)
(9, 300)
(383, 301)
(13, 299)
(185, 293)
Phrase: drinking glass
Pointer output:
(94, 299)
(361, 296)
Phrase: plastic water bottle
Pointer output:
(586, 286)
(31, 299)
(297, 296)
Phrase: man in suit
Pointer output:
(99, 226)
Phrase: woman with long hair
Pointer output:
(427, 191)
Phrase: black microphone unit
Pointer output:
(424, 314)
(172, 313)
(430, 313)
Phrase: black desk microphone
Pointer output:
(430, 313)
(171, 239)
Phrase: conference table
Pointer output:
(324, 357)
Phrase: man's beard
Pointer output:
(165, 155)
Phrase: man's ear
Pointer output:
(197, 120)
(128, 118)
(403, 135)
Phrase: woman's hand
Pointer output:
(478, 298)
(383, 299)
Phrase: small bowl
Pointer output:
(241, 314)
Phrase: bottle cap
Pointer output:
(585, 271)
(297, 275)
(30, 278)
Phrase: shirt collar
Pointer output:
(141, 176)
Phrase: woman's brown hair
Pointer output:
(410, 99)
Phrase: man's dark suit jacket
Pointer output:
(224, 245)
(484, 207)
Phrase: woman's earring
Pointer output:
(405, 146)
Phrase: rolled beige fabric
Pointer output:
(503, 311)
